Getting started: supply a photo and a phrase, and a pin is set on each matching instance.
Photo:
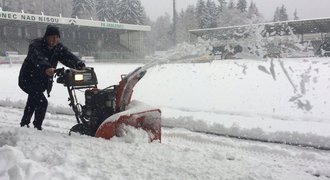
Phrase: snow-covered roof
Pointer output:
(304, 26)
(24, 17)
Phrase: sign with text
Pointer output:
(70, 21)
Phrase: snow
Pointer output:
(284, 100)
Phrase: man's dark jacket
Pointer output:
(33, 77)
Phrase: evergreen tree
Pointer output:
(186, 21)
(201, 14)
(160, 38)
(231, 4)
(222, 5)
(81, 7)
(295, 15)
(107, 10)
(211, 15)
(276, 15)
(231, 17)
(131, 12)
(253, 10)
(283, 14)
(241, 5)
(7, 5)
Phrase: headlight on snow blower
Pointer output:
(86, 77)
(78, 77)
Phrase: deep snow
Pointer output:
(281, 100)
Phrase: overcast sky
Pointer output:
(305, 8)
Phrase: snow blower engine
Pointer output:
(104, 113)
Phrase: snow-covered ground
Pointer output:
(283, 100)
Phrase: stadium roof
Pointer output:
(24, 17)
(305, 26)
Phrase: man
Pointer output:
(37, 72)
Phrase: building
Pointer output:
(101, 39)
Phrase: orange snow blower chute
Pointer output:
(105, 111)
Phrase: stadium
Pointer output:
(91, 40)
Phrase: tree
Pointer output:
(231, 17)
(81, 7)
(107, 10)
(241, 5)
(222, 5)
(276, 15)
(295, 16)
(160, 37)
(253, 10)
(131, 12)
(7, 5)
(211, 16)
(231, 4)
(283, 14)
(201, 14)
(186, 21)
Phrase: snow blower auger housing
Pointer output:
(104, 113)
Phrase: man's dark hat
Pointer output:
(52, 30)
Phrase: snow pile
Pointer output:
(16, 165)
(258, 42)
(185, 52)
(274, 100)
(256, 99)
(132, 135)
(8, 137)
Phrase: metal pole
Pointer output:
(42, 6)
(174, 22)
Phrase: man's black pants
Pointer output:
(37, 104)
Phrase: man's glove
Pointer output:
(80, 65)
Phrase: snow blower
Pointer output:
(105, 112)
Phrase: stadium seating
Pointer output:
(103, 44)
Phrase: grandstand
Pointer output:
(105, 41)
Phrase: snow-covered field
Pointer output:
(283, 100)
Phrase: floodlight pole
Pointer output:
(61, 7)
(174, 22)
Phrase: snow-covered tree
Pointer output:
(201, 14)
(253, 11)
(241, 5)
(131, 12)
(82, 8)
(280, 14)
(232, 17)
(186, 21)
(231, 4)
(211, 18)
(283, 14)
(222, 5)
(160, 37)
(4, 4)
(107, 10)
(276, 15)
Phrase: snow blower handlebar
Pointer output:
(76, 79)
(85, 78)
